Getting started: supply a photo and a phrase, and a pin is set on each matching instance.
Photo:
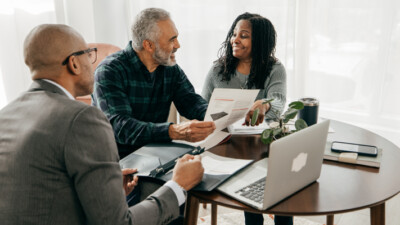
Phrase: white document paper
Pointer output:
(217, 165)
(227, 106)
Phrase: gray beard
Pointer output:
(162, 57)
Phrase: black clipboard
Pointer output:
(157, 161)
(154, 160)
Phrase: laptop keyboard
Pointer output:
(254, 191)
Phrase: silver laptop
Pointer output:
(294, 162)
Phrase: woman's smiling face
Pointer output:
(241, 40)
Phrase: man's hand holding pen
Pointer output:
(129, 181)
(187, 173)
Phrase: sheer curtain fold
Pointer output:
(345, 53)
(17, 18)
(351, 59)
(97, 21)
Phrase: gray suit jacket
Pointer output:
(59, 165)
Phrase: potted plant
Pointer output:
(279, 127)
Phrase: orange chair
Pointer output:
(103, 50)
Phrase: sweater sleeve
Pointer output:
(208, 86)
(275, 88)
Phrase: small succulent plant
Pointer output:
(279, 127)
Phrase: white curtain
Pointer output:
(346, 53)
(97, 20)
(17, 18)
(351, 60)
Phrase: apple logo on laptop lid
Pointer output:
(299, 162)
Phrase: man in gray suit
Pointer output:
(58, 157)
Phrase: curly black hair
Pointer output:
(263, 42)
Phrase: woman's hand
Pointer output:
(262, 109)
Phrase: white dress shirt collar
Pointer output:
(61, 87)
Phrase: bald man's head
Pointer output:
(47, 45)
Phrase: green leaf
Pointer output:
(266, 136)
(285, 120)
(300, 124)
(267, 141)
(296, 105)
(266, 133)
(255, 116)
(267, 101)
(289, 114)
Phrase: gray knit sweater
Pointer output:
(274, 86)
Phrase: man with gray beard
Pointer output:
(136, 86)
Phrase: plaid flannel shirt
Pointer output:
(137, 103)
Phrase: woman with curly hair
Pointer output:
(247, 61)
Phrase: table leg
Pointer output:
(330, 219)
(213, 214)
(378, 214)
(191, 210)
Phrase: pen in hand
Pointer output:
(129, 180)
(132, 174)
(129, 173)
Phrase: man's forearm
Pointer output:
(130, 131)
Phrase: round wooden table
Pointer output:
(341, 187)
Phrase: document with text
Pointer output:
(218, 165)
(227, 106)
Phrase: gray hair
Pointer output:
(145, 26)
